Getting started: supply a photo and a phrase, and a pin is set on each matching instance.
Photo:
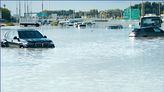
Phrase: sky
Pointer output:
(36, 6)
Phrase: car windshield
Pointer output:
(29, 34)
(151, 21)
(136, 30)
(148, 30)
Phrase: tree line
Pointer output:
(93, 13)
(5, 13)
(148, 8)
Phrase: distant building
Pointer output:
(131, 14)
(54, 16)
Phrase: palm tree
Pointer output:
(4, 5)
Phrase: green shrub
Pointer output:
(54, 23)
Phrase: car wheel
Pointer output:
(36, 25)
(4, 44)
(21, 46)
(25, 25)
(145, 36)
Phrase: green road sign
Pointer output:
(131, 14)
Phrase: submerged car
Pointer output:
(26, 38)
(115, 27)
(147, 32)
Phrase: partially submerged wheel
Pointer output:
(25, 25)
(37, 25)
(145, 36)
(21, 46)
(4, 44)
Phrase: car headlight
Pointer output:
(132, 34)
(24, 42)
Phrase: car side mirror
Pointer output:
(15, 37)
(45, 36)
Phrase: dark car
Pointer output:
(26, 38)
(147, 32)
(115, 27)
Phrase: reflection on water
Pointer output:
(86, 60)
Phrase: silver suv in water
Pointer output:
(26, 38)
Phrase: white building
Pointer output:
(54, 16)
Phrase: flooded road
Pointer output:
(85, 60)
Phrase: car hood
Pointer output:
(38, 40)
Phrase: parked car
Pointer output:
(26, 38)
(115, 27)
(147, 32)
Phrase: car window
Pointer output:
(136, 30)
(15, 33)
(148, 30)
(151, 21)
(148, 21)
(29, 34)
(157, 30)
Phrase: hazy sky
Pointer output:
(36, 6)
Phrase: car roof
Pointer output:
(18, 30)
(26, 30)
(146, 27)
(150, 16)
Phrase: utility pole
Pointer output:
(27, 9)
(142, 9)
(130, 11)
(31, 8)
(42, 5)
(42, 12)
(0, 13)
(16, 8)
(159, 9)
(24, 8)
(19, 10)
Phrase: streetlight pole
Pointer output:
(142, 9)
(19, 10)
(42, 5)
(27, 9)
(130, 11)
(159, 9)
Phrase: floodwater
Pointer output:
(85, 60)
